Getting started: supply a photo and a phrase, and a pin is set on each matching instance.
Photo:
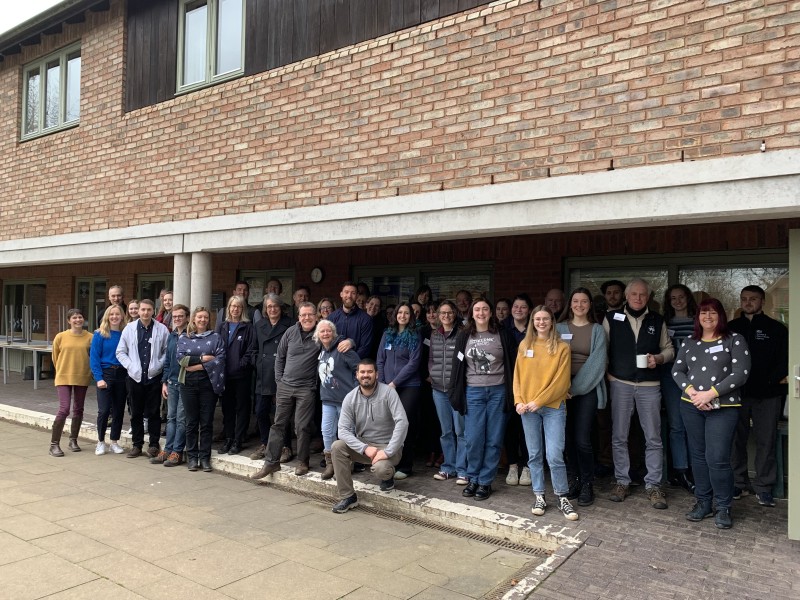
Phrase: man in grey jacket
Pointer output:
(372, 429)
(296, 381)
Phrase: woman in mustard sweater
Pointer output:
(541, 386)
(73, 376)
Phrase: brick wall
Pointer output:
(517, 90)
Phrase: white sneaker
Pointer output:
(525, 476)
(513, 475)
(100, 448)
(116, 448)
(399, 475)
(539, 506)
(566, 509)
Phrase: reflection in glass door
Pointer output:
(90, 297)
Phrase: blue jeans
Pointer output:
(553, 421)
(330, 424)
(454, 446)
(710, 434)
(484, 428)
(176, 420)
(678, 447)
(647, 401)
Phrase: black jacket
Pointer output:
(240, 349)
(768, 341)
(267, 338)
(457, 392)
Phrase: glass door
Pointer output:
(90, 297)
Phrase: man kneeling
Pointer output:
(372, 429)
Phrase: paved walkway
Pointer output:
(84, 526)
(630, 550)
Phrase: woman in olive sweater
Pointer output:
(73, 377)
(541, 386)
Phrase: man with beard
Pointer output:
(352, 323)
(372, 429)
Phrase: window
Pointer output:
(210, 42)
(52, 93)
(720, 275)
(25, 311)
(258, 284)
(150, 286)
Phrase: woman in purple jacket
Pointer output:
(201, 355)
(399, 356)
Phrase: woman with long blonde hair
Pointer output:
(110, 377)
(541, 387)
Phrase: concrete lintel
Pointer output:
(756, 186)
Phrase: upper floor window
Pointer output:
(52, 93)
(210, 42)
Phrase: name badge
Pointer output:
(715, 349)
(460, 356)
(387, 347)
(529, 353)
(619, 317)
(566, 337)
(426, 341)
(671, 332)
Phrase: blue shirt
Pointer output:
(102, 353)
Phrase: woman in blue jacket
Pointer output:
(399, 356)
(240, 351)
(587, 341)
(110, 377)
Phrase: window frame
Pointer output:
(212, 21)
(41, 64)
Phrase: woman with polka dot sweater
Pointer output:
(711, 368)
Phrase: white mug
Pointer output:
(641, 361)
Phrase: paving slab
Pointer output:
(40, 576)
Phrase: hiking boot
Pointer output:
(159, 458)
(328, 472)
(619, 493)
(173, 460)
(658, 499)
(513, 475)
(525, 476)
(286, 454)
(152, 451)
(134, 452)
(566, 509)
(574, 489)
(260, 453)
(701, 510)
(344, 505)
(723, 519)
(268, 469)
(301, 469)
(539, 506)
(586, 496)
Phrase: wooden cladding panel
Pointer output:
(151, 52)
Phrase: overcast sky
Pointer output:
(15, 12)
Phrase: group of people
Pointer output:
(539, 382)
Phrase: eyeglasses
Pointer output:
(448, 313)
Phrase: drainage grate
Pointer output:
(486, 539)
(505, 587)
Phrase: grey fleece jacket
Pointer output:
(373, 420)
(296, 358)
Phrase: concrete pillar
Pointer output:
(182, 279)
(794, 387)
(201, 280)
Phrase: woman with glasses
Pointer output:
(324, 308)
(440, 365)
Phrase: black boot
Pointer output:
(225, 448)
(682, 478)
(236, 447)
(55, 439)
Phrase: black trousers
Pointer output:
(236, 408)
(145, 403)
(409, 398)
(581, 416)
(765, 413)
(199, 401)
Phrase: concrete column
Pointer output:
(201, 280)
(794, 388)
(182, 279)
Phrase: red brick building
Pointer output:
(506, 146)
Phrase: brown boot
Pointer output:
(301, 469)
(55, 439)
(74, 430)
(268, 469)
(328, 472)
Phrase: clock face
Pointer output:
(316, 275)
